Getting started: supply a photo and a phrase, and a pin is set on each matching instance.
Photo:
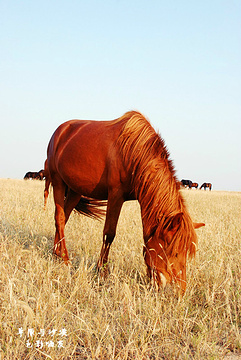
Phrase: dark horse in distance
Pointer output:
(206, 185)
(186, 183)
(116, 161)
(34, 175)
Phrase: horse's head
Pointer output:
(166, 251)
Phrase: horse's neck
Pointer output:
(155, 212)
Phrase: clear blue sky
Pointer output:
(178, 62)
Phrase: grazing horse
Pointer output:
(34, 175)
(186, 183)
(206, 185)
(31, 175)
(195, 185)
(41, 175)
(120, 160)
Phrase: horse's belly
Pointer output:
(85, 176)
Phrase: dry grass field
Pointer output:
(51, 311)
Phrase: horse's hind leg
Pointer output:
(112, 215)
(71, 201)
(47, 183)
(59, 241)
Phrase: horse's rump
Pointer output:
(84, 155)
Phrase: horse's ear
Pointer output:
(175, 222)
(198, 225)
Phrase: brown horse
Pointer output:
(120, 160)
(41, 174)
(206, 185)
(195, 185)
(34, 175)
(31, 175)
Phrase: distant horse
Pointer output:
(206, 185)
(186, 183)
(41, 174)
(120, 160)
(34, 175)
(195, 185)
(31, 175)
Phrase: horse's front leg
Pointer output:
(113, 211)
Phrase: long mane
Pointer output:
(154, 181)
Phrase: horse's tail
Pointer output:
(91, 207)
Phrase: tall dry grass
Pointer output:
(123, 317)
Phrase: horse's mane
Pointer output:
(154, 181)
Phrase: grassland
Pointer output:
(51, 311)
